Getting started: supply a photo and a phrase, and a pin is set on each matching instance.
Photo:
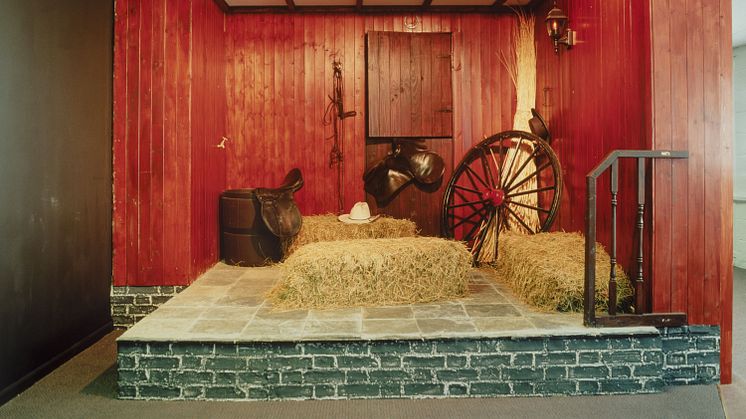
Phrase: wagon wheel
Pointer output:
(510, 181)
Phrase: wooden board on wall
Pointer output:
(692, 110)
(169, 115)
(409, 84)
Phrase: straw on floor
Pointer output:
(546, 270)
(372, 272)
(323, 228)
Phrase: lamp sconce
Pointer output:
(557, 29)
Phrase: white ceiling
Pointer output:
(739, 22)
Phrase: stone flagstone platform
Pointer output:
(221, 339)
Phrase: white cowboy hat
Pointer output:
(359, 214)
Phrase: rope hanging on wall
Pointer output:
(333, 115)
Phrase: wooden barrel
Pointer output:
(244, 239)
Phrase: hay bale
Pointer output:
(547, 270)
(323, 228)
(372, 272)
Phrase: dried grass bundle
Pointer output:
(323, 228)
(546, 270)
(521, 67)
(372, 272)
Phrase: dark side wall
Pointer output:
(55, 182)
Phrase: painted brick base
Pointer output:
(691, 354)
(130, 304)
(609, 364)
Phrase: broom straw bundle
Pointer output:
(521, 67)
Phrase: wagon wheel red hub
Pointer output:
(510, 181)
(494, 197)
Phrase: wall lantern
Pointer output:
(557, 29)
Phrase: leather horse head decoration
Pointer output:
(279, 212)
(408, 162)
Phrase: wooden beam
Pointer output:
(374, 10)
(223, 6)
(627, 320)
(497, 6)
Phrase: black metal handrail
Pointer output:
(590, 318)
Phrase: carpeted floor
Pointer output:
(85, 387)
(734, 395)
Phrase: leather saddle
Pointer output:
(408, 162)
(278, 209)
(539, 127)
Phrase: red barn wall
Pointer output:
(593, 98)
(188, 75)
(279, 77)
(693, 199)
(635, 80)
(169, 106)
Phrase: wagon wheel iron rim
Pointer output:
(506, 178)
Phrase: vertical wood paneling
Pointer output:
(725, 61)
(181, 82)
(208, 126)
(286, 133)
(625, 47)
(592, 97)
(167, 171)
(693, 72)
(129, 167)
(183, 213)
(119, 134)
(694, 121)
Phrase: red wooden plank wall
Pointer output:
(592, 97)
(169, 97)
(279, 76)
(692, 110)
(621, 88)
(168, 116)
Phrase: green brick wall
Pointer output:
(420, 369)
(131, 304)
(691, 355)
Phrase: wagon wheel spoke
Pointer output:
(498, 166)
(510, 187)
(470, 203)
(469, 236)
(476, 175)
(545, 188)
(529, 159)
(521, 204)
(467, 202)
(520, 220)
(468, 218)
(487, 169)
(512, 159)
(463, 188)
(479, 241)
